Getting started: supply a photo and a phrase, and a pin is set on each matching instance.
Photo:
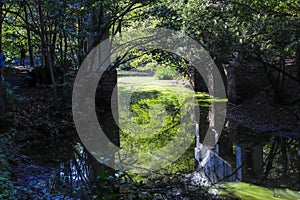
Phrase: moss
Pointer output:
(247, 191)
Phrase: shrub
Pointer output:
(165, 72)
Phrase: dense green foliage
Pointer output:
(62, 31)
(166, 72)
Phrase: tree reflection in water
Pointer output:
(263, 159)
(75, 173)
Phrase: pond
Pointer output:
(240, 155)
(56, 170)
(147, 110)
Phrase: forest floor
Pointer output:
(34, 118)
(39, 119)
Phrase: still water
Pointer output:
(240, 155)
(262, 159)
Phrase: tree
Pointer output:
(260, 30)
(3, 14)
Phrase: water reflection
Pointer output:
(242, 155)
(73, 170)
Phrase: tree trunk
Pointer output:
(106, 97)
(42, 36)
(80, 51)
(2, 98)
(65, 46)
(53, 44)
(30, 49)
(1, 24)
(298, 61)
(45, 48)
